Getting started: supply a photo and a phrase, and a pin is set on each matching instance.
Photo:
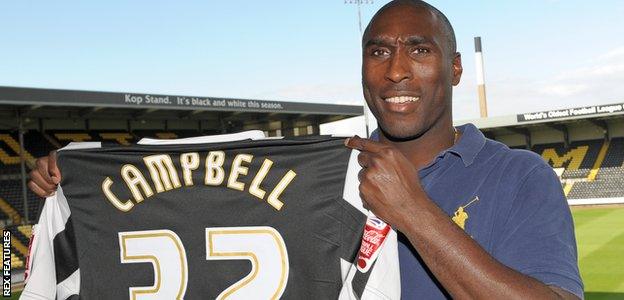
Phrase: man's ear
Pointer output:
(457, 68)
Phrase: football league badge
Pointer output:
(375, 232)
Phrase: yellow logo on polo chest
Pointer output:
(461, 215)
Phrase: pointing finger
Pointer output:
(361, 144)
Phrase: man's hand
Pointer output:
(390, 186)
(389, 183)
(45, 177)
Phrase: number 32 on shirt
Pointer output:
(261, 245)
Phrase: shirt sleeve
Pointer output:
(538, 236)
(40, 278)
(52, 269)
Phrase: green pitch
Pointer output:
(600, 239)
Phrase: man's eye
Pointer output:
(380, 52)
(420, 50)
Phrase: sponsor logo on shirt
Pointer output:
(375, 232)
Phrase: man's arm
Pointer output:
(390, 186)
(45, 177)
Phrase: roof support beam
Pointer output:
(227, 124)
(526, 133)
(564, 130)
(85, 112)
(602, 124)
(288, 127)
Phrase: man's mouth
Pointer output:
(401, 99)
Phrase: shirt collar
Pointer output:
(469, 144)
(467, 147)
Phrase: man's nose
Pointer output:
(398, 70)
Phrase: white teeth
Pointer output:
(401, 99)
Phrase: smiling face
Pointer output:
(408, 70)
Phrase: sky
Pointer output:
(538, 54)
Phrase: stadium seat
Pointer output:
(11, 201)
(10, 150)
(591, 169)
(20, 238)
(608, 181)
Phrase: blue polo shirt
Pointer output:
(521, 218)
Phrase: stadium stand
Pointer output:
(591, 169)
(608, 179)
(11, 194)
(20, 237)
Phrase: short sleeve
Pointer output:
(538, 236)
(52, 263)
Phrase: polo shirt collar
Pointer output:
(469, 144)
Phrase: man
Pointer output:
(514, 235)
(518, 239)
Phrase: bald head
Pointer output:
(442, 22)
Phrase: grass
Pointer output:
(600, 239)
